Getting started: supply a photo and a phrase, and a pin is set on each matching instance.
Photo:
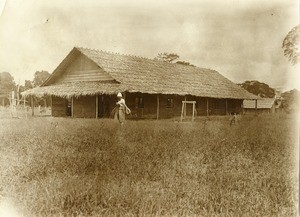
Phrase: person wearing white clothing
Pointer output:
(121, 109)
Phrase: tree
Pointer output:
(7, 85)
(259, 89)
(291, 100)
(170, 58)
(40, 77)
(167, 57)
(185, 63)
(28, 85)
(291, 45)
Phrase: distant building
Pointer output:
(264, 105)
(86, 82)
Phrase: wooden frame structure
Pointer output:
(14, 102)
(183, 109)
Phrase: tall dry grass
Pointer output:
(85, 167)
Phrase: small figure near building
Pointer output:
(235, 119)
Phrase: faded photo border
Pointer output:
(240, 39)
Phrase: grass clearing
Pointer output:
(87, 167)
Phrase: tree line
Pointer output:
(8, 84)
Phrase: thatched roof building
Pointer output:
(89, 72)
(262, 105)
(135, 74)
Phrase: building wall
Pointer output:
(234, 106)
(84, 107)
(59, 106)
(106, 104)
(217, 106)
(141, 105)
(145, 106)
(212, 106)
(149, 110)
(167, 111)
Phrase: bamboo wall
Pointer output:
(84, 107)
(59, 106)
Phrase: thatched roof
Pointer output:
(76, 89)
(263, 103)
(136, 74)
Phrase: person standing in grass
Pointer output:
(121, 109)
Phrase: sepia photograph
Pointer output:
(149, 108)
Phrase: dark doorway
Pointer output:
(69, 107)
(103, 106)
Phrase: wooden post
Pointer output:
(157, 109)
(51, 105)
(25, 110)
(226, 107)
(72, 106)
(184, 106)
(32, 106)
(182, 111)
(97, 106)
(207, 113)
(256, 106)
(193, 112)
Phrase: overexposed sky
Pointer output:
(239, 38)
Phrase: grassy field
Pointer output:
(87, 167)
(21, 112)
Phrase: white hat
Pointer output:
(119, 94)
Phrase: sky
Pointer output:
(241, 39)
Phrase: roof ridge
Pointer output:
(140, 57)
(117, 53)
